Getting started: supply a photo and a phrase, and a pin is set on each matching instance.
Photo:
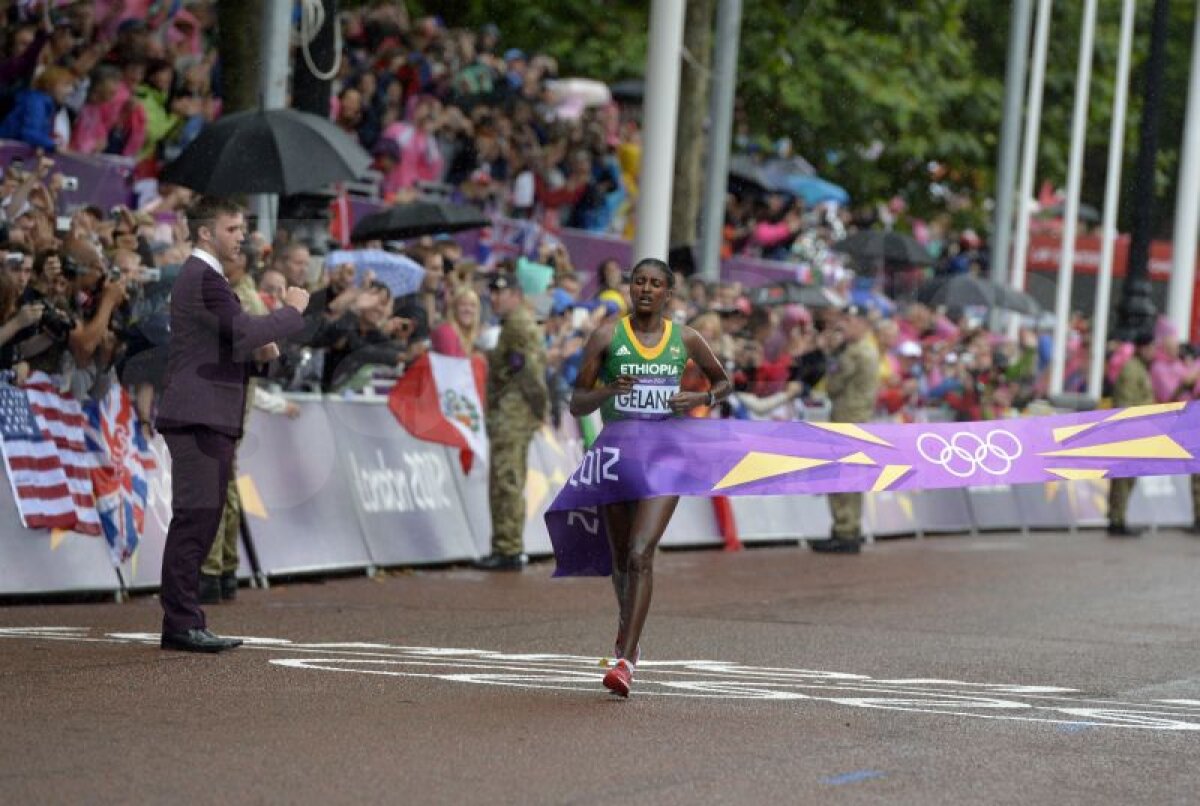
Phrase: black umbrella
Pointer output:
(417, 218)
(267, 151)
(748, 175)
(788, 292)
(891, 247)
(966, 290)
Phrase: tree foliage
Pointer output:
(875, 92)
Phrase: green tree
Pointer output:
(691, 139)
(875, 92)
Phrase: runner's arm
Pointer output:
(699, 351)
(587, 396)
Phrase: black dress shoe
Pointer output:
(502, 562)
(1121, 530)
(229, 643)
(196, 641)
(210, 589)
(837, 545)
(229, 587)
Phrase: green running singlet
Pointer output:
(658, 370)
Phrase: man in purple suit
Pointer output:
(213, 348)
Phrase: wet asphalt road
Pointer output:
(998, 669)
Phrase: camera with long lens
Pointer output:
(56, 323)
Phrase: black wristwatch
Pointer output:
(712, 398)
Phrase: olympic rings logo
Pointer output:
(966, 453)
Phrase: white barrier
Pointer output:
(344, 487)
(34, 561)
(297, 496)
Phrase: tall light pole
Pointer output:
(720, 134)
(1112, 198)
(1187, 205)
(1066, 263)
(653, 235)
(1010, 137)
(1033, 120)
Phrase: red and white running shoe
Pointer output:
(619, 678)
(637, 652)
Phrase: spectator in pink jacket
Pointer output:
(1172, 377)
(421, 157)
(106, 123)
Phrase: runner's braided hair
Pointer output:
(655, 263)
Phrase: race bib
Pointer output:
(650, 399)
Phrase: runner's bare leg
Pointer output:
(618, 523)
(649, 523)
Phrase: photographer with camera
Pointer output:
(18, 264)
(142, 329)
(14, 319)
(100, 293)
(981, 391)
(37, 332)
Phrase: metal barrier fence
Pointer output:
(345, 488)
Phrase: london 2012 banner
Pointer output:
(633, 460)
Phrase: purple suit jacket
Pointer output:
(210, 351)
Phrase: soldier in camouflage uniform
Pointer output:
(852, 381)
(517, 403)
(1133, 388)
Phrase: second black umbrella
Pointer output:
(267, 151)
(417, 218)
(889, 247)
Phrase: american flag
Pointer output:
(38, 479)
(61, 420)
(123, 459)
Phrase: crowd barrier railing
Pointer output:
(344, 488)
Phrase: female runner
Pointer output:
(631, 369)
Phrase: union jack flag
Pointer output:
(512, 238)
(115, 437)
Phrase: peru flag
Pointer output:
(439, 399)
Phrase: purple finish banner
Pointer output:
(633, 460)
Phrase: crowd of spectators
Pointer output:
(84, 292)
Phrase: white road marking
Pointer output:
(697, 678)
